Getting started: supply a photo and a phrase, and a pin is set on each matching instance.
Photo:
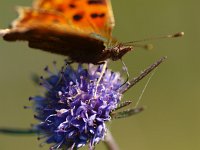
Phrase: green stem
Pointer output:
(13, 131)
(110, 142)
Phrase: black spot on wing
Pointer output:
(77, 17)
(101, 15)
(94, 2)
(72, 5)
(96, 15)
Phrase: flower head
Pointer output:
(76, 105)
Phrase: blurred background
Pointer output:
(172, 118)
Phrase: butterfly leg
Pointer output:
(101, 75)
(127, 73)
(68, 62)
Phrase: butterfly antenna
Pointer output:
(143, 74)
(142, 93)
(150, 46)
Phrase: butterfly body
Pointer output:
(66, 26)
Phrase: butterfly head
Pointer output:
(118, 51)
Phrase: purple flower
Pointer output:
(77, 103)
(75, 107)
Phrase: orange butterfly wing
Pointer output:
(89, 16)
(81, 17)
(65, 27)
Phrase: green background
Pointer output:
(171, 120)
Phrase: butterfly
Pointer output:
(79, 29)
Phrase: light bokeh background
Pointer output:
(172, 118)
